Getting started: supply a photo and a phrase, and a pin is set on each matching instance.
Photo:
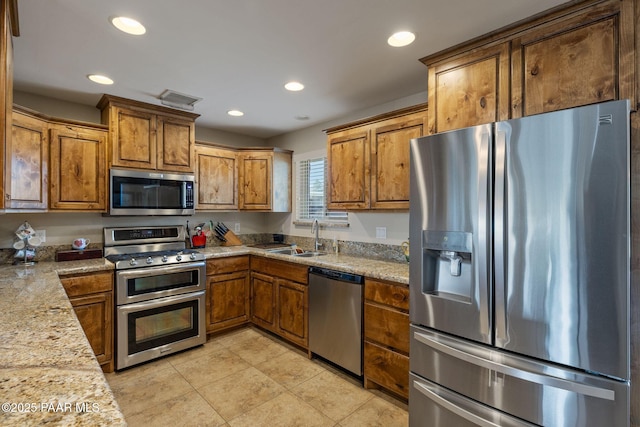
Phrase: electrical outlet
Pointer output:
(236, 227)
(381, 232)
(42, 234)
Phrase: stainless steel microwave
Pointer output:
(133, 192)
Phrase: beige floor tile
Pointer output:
(332, 395)
(212, 366)
(240, 392)
(234, 337)
(190, 409)
(377, 412)
(115, 378)
(193, 353)
(290, 369)
(148, 390)
(283, 411)
(258, 349)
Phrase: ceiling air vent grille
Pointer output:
(178, 100)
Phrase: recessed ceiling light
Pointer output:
(128, 25)
(97, 78)
(401, 38)
(294, 86)
(235, 113)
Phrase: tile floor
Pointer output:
(249, 378)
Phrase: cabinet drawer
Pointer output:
(276, 268)
(227, 265)
(392, 294)
(386, 326)
(386, 368)
(84, 284)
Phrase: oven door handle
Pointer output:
(159, 302)
(160, 270)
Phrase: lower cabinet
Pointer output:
(279, 299)
(386, 336)
(227, 293)
(91, 296)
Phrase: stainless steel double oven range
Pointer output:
(160, 292)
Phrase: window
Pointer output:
(311, 201)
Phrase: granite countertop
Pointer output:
(48, 372)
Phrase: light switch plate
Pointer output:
(42, 234)
(236, 227)
(381, 232)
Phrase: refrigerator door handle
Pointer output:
(501, 336)
(461, 412)
(484, 219)
(534, 377)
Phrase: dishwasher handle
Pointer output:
(337, 275)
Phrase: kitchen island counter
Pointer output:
(48, 372)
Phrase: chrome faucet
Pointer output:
(315, 228)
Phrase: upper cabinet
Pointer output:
(146, 136)
(573, 55)
(264, 180)
(368, 161)
(469, 89)
(8, 28)
(216, 178)
(26, 163)
(78, 177)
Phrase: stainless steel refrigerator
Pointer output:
(519, 272)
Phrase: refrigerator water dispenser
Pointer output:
(447, 261)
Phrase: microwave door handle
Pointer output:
(184, 194)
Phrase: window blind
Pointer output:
(311, 200)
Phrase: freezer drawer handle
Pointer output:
(451, 407)
(517, 373)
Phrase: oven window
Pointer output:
(148, 284)
(163, 325)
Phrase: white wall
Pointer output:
(61, 228)
(362, 225)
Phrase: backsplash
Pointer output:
(375, 251)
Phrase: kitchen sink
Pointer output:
(310, 254)
(292, 252)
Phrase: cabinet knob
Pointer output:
(483, 102)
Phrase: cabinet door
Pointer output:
(176, 140)
(263, 300)
(293, 313)
(575, 61)
(256, 171)
(6, 86)
(348, 170)
(217, 178)
(469, 89)
(78, 168)
(390, 160)
(386, 368)
(95, 315)
(26, 164)
(133, 138)
(228, 300)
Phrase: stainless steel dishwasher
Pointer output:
(335, 317)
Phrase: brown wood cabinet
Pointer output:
(8, 28)
(279, 299)
(576, 54)
(78, 177)
(146, 136)
(469, 89)
(227, 293)
(91, 296)
(386, 336)
(264, 180)
(216, 178)
(26, 163)
(368, 161)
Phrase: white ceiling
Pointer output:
(237, 54)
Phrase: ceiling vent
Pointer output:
(178, 100)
